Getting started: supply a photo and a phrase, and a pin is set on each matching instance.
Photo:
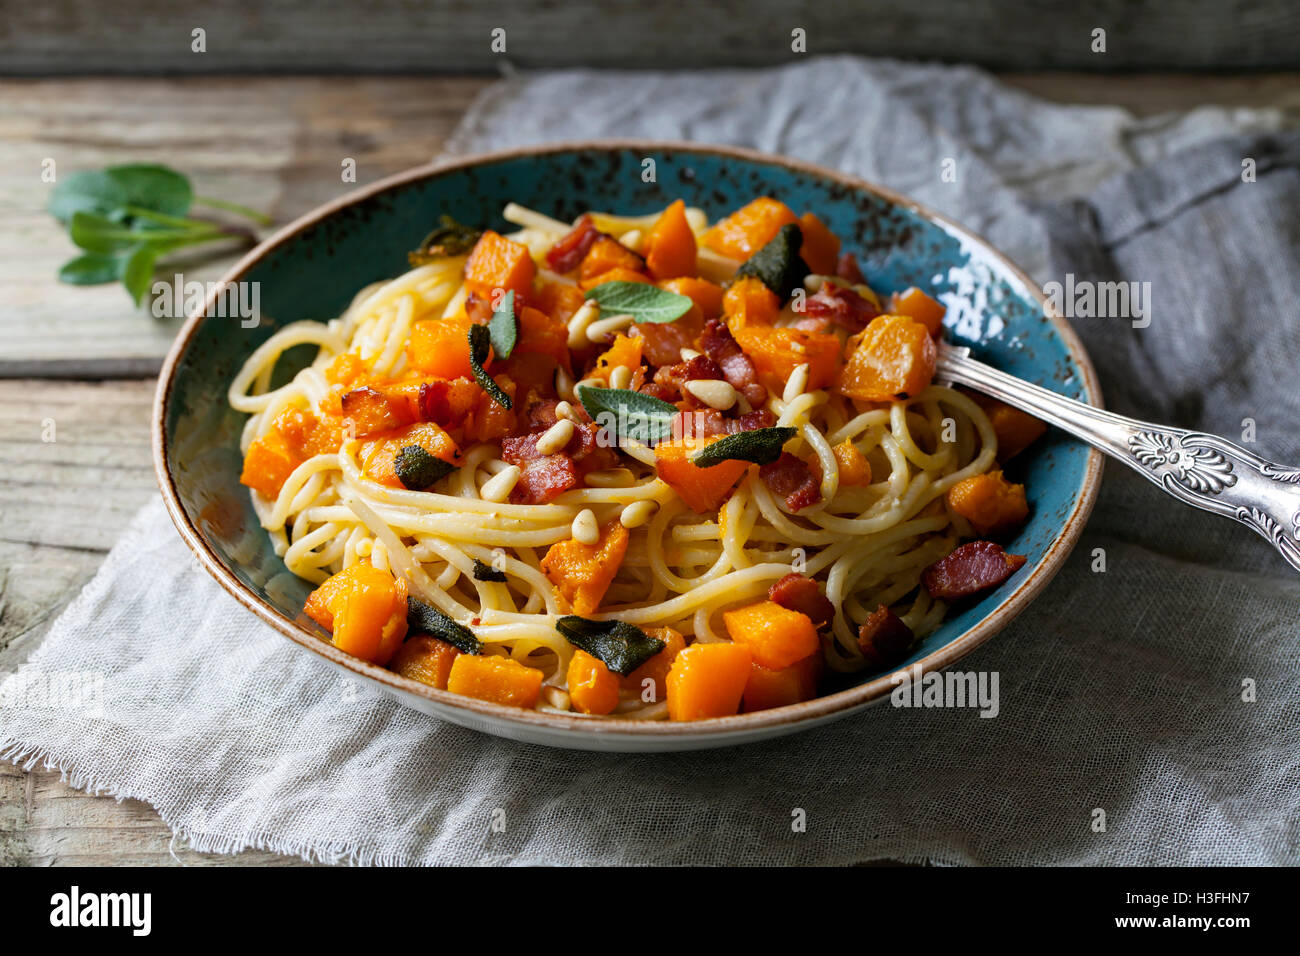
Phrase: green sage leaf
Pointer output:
(622, 647)
(480, 341)
(760, 446)
(644, 302)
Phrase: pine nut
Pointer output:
(611, 478)
(579, 321)
(564, 385)
(556, 697)
(620, 377)
(637, 513)
(498, 487)
(585, 530)
(796, 384)
(631, 240)
(603, 329)
(713, 392)
(688, 354)
(555, 437)
(565, 410)
(364, 547)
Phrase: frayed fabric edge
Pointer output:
(29, 756)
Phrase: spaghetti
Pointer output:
(391, 473)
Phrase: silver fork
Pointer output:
(1202, 470)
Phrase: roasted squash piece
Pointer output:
(593, 687)
(489, 421)
(749, 228)
(915, 304)
(821, 247)
(499, 263)
(440, 347)
(581, 572)
(670, 245)
(1016, 430)
(268, 463)
(559, 300)
(425, 659)
(365, 609)
(779, 688)
(617, 274)
(894, 358)
(748, 302)
(607, 254)
(655, 670)
(492, 677)
(702, 489)
(708, 680)
(853, 465)
(777, 352)
(625, 352)
(378, 454)
(775, 635)
(706, 295)
(989, 502)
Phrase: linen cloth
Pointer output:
(1120, 691)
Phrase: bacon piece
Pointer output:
(699, 423)
(800, 593)
(567, 254)
(584, 447)
(662, 342)
(792, 479)
(841, 306)
(759, 418)
(884, 638)
(541, 415)
(673, 377)
(848, 269)
(736, 366)
(662, 392)
(975, 566)
(544, 479)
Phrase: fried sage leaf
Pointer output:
(631, 415)
(423, 619)
(777, 265)
(761, 446)
(621, 646)
(485, 572)
(417, 469)
(450, 238)
(480, 341)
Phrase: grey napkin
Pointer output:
(1127, 730)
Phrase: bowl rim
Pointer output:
(816, 711)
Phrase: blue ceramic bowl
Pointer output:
(313, 268)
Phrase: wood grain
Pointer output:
(274, 145)
(268, 141)
(277, 144)
(455, 36)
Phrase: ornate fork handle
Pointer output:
(1203, 470)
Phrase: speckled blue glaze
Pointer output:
(315, 273)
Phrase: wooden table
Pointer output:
(272, 143)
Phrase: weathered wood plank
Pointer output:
(74, 467)
(63, 503)
(44, 822)
(275, 145)
(448, 36)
